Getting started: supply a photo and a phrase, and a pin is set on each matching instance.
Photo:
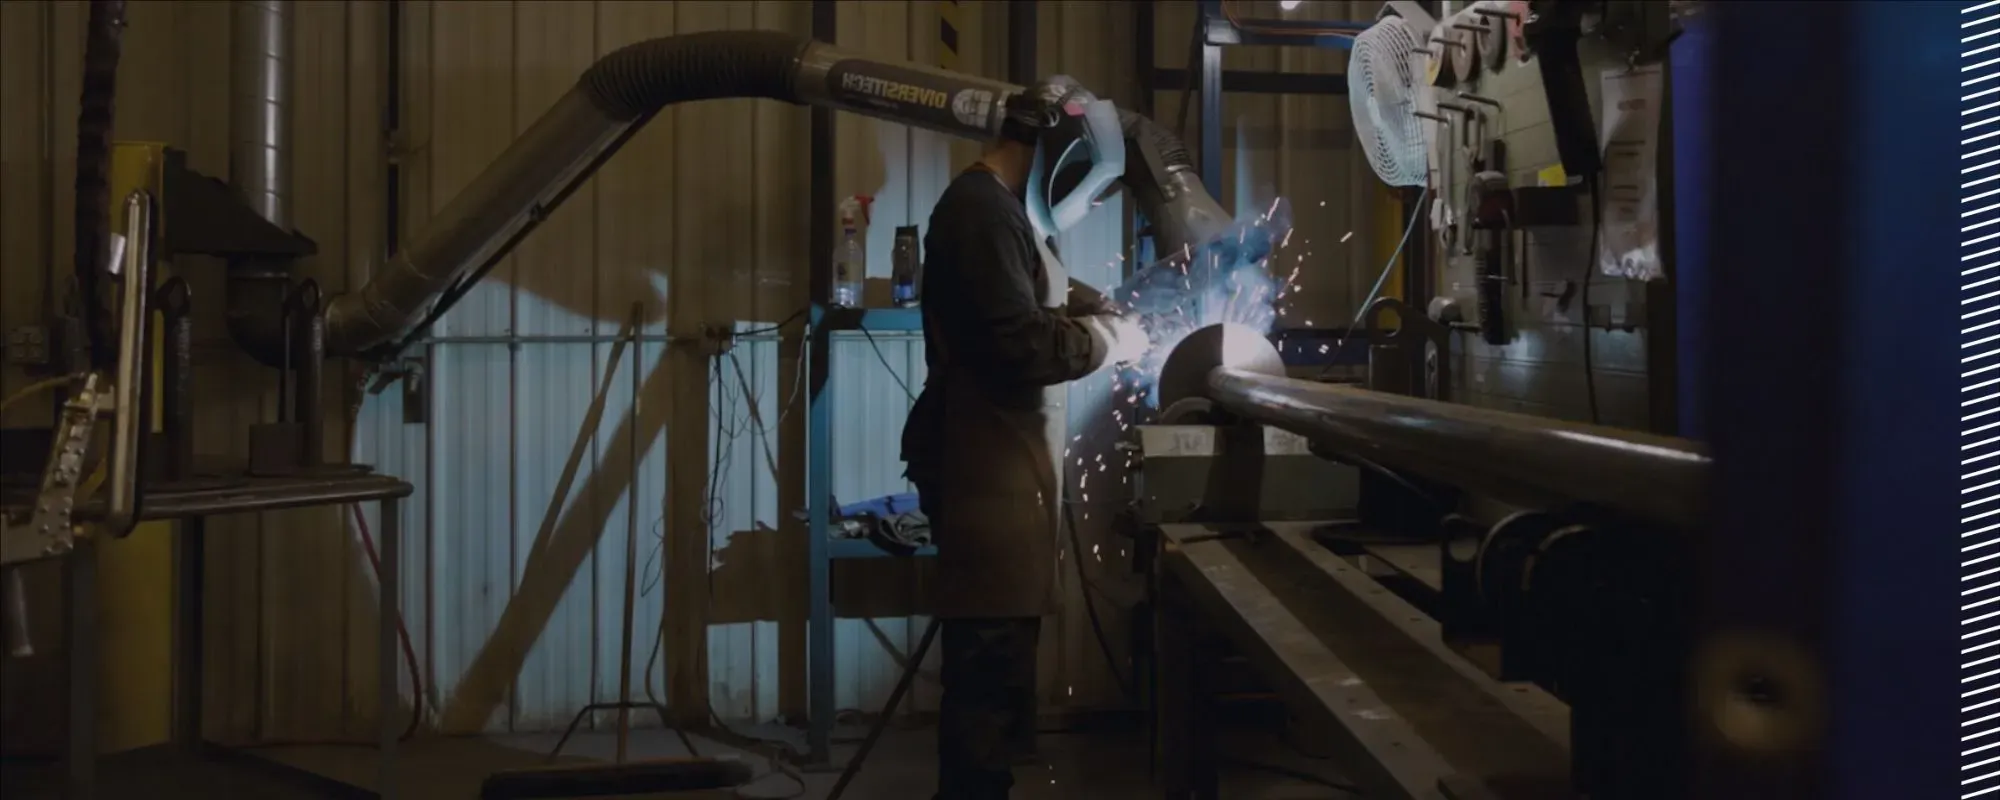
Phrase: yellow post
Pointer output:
(1388, 214)
(135, 574)
(949, 30)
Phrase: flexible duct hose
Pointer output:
(639, 79)
(624, 89)
(103, 45)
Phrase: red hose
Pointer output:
(402, 633)
(402, 630)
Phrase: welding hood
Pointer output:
(1082, 151)
(1079, 143)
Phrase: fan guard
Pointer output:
(1381, 91)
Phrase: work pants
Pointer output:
(987, 717)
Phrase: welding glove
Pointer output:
(1120, 339)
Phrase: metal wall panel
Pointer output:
(708, 201)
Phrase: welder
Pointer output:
(1003, 327)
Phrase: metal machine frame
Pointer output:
(1212, 31)
(152, 475)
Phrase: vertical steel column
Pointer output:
(1691, 75)
(388, 577)
(1023, 38)
(80, 638)
(1145, 66)
(1211, 97)
(1828, 641)
(190, 549)
(819, 421)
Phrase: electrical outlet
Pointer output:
(28, 346)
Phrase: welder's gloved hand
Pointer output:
(1121, 339)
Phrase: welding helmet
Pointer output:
(1079, 151)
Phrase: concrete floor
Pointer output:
(1074, 766)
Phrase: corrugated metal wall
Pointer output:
(699, 221)
(288, 596)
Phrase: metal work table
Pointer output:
(1406, 716)
(190, 504)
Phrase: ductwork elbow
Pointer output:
(624, 89)
(615, 96)
(1160, 175)
(255, 311)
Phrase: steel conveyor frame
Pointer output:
(1817, 614)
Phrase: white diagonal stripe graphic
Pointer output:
(1979, 432)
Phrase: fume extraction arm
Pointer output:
(621, 92)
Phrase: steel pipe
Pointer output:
(1512, 456)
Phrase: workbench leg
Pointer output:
(387, 579)
(80, 636)
(190, 548)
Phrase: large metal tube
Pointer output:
(616, 96)
(479, 225)
(260, 41)
(623, 90)
(259, 120)
(1512, 456)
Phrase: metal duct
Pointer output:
(621, 92)
(260, 42)
(260, 146)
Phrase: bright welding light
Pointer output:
(1242, 345)
(1224, 281)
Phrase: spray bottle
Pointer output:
(850, 252)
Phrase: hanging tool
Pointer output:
(1492, 219)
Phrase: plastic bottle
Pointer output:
(905, 260)
(850, 252)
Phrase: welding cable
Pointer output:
(774, 328)
(367, 539)
(39, 387)
(1340, 345)
(885, 365)
(888, 712)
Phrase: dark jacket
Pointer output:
(983, 439)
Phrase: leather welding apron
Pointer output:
(998, 530)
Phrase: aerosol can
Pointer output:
(906, 261)
(850, 253)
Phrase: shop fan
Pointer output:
(1384, 81)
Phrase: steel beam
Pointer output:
(819, 419)
(1259, 82)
